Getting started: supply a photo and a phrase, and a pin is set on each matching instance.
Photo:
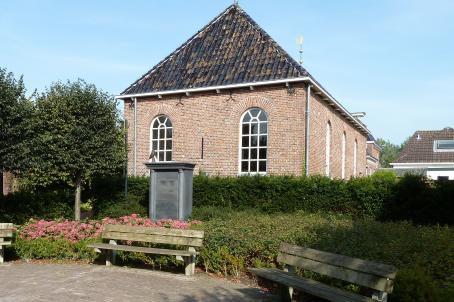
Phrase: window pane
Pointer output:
(245, 128)
(246, 117)
(254, 112)
(168, 123)
(263, 140)
(154, 145)
(245, 154)
(263, 128)
(262, 116)
(156, 124)
(161, 133)
(168, 156)
(155, 134)
(161, 156)
(169, 144)
(254, 166)
(254, 141)
(245, 141)
(254, 128)
(262, 153)
(169, 133)
(445, 144)
(262, 166)
(162, 119)
(161, 145)
(244, 166)
(254, 153)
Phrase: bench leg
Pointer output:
(111, 256)
(1, 253)
(380, 296)
(189, 263)
(286, 292)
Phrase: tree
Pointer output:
(15, 113)
(389, 153)
(77, 136)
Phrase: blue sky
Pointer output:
(391, 58)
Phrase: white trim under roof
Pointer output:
(327, 96)
(422, 165)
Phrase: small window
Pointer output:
(254, 142)
(444, 146)
(443, 178)
(161, 138)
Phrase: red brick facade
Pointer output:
(215, 117)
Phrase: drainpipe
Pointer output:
(307, 128)
(134, 167)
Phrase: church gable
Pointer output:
(231, 49)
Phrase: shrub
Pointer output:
(19, 207)
(242, 239)
(414, 285)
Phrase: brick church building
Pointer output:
(233, 102)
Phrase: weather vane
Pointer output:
(300, 41)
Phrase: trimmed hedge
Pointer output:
(382, 196)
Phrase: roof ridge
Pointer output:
(182, 46)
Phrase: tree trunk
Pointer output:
(77, 198)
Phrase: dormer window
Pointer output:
(444, 145)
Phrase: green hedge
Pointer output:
(19, 207)
(382, 196)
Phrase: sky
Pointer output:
(393, 59)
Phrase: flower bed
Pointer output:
(75, 231)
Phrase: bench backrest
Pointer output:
(366, 273)
(154, 235)
(6, 230)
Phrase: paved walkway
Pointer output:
(74, 282)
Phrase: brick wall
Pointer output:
(216, 118)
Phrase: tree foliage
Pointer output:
(15, 113)
(77, 136)
(390, 152)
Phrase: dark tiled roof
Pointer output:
(231, 49)
(420, 147)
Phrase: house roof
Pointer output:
(231, 49)
(420, 147)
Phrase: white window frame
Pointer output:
(328, 149)
(241, 148)
(355, 155)
(344, 143)
(436, 149)
(162, 125)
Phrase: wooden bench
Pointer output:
(376, 276)
(189, 239)
(6, 231)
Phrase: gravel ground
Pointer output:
(84, 282)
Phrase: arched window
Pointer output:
(328, 149)
(254, 141)
(355, 155)
(344, 143)
(161, 138)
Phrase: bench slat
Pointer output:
(140, 249)
(309, 286)
(6, 225)
(6, 233)
(368, 280)
(5, 243)
(196, 242)
(356, 264)
(154, 231)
